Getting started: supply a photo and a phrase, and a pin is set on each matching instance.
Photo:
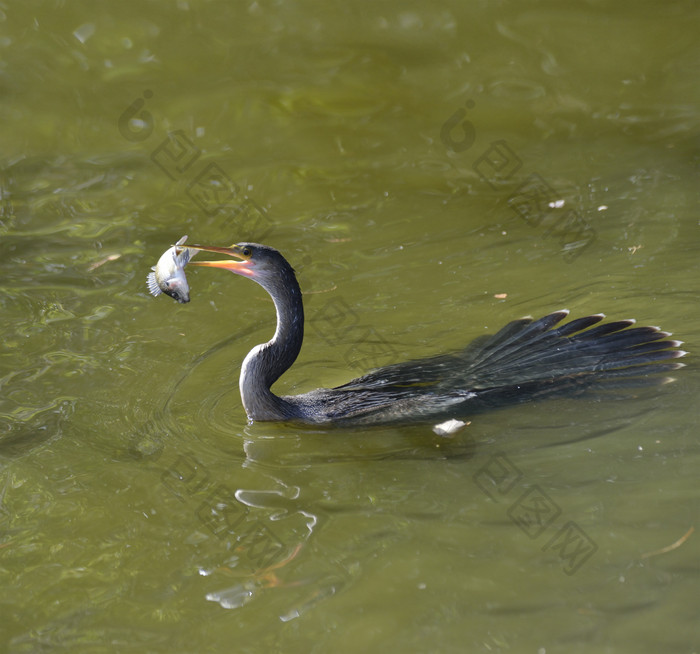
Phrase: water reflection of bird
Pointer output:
(526, 359)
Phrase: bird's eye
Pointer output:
(247, 252)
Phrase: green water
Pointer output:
(404, 157)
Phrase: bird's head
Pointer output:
(261, 263)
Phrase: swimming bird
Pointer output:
(525, 360)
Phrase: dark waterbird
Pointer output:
(526, 359)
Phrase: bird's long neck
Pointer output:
(266, 363)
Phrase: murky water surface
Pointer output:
(432, 170)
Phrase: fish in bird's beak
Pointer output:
(242, 267)
(168, 274)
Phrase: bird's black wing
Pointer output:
(527, 358)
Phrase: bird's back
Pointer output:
(527, 359)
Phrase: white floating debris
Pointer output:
(84, 32)
(231, 598)
(557, 204)
(603, 207)
(449, 427)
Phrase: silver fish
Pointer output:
(168, 274)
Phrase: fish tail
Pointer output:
(152, 284)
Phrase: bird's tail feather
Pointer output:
(535, 357)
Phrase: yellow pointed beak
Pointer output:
(243, 267)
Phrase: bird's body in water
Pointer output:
(527, 359)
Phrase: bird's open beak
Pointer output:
(243, 267)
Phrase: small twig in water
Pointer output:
(102, 262)
(672, 546)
